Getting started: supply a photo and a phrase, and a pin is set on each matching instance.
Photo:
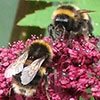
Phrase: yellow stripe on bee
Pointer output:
(65, 12)
(85, 16)
(42, 70)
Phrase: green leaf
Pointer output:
(41, 18)
(53, 0)
(89, 74)
(81, 98)
(92, 98)
(88, 90)
(92, 5)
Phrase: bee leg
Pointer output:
(86, 37)
(23, 97)
(84, 30)
(50, 31)
(87, 30)
(91, 34)
(10, 92)
(90, 28)
(70, 38)
(47, 82)
(63, 33)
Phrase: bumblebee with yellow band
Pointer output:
(30, 68)
(70, 20)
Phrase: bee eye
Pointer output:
(62, 20)
(66, 20)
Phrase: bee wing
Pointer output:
(30, 71)
(17, 66)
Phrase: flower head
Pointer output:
(77, 69)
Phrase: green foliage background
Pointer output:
(42, 18)
(7, 16)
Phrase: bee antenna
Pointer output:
(85, 11)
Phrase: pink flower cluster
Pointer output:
(77, 70)
(7, 56)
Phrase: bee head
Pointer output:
(63, 20)
(39, 49)
(66, 16)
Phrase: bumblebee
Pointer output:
(30, 67)
(69, 20)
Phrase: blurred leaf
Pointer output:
(89, 74)
(92, 98)
(88, 90)
(92, 5)
(53, 0)
(81, 98)
(41, 18)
